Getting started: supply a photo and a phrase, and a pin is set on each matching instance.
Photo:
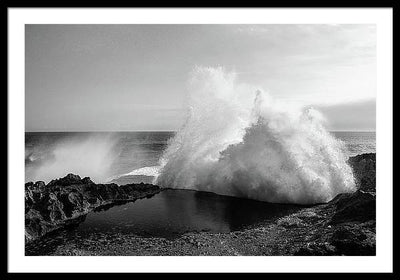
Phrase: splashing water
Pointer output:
(150, 171)
(90, 156)
(238, 141)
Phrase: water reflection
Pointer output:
(167, 214)
(173, 212)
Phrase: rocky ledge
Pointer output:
(344, 226)
(65, 201)
(364, 169)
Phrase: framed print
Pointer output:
(200, 140)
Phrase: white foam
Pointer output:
(150, 171)
(90, 156)
(239, 141)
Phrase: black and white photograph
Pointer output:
(189, 139)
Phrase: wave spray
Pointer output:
(237, 140)
(86, 155)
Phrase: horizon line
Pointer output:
(96, 131)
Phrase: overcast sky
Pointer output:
(134, 77)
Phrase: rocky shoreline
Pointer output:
(343, 226)
(64, 201)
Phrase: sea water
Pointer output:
(122, 157)
(133, 157)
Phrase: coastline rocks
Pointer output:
(359, 206)
(344, 226)
(62, 201)
(352, 220)
(354, 239)
(364, 169)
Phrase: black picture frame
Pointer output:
(6, 4)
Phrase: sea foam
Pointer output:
(237, 140)
(90, 155)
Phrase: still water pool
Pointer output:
(168, 214)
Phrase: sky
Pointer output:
(134, 77)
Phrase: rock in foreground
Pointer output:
(64, 201)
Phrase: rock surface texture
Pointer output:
(343, 226)
(63, 201)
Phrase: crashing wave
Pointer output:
(237, 140)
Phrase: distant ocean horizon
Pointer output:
(123, 156)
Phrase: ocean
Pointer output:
(121, 157)
(133, 157)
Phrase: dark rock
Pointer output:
(364, 169)
(354, 240)
(63, 201)
(354, 207)
(359, 206)
(317, 249)
(70, 179)
(349, 223)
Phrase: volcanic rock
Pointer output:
(364, 169)
(62, 201)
